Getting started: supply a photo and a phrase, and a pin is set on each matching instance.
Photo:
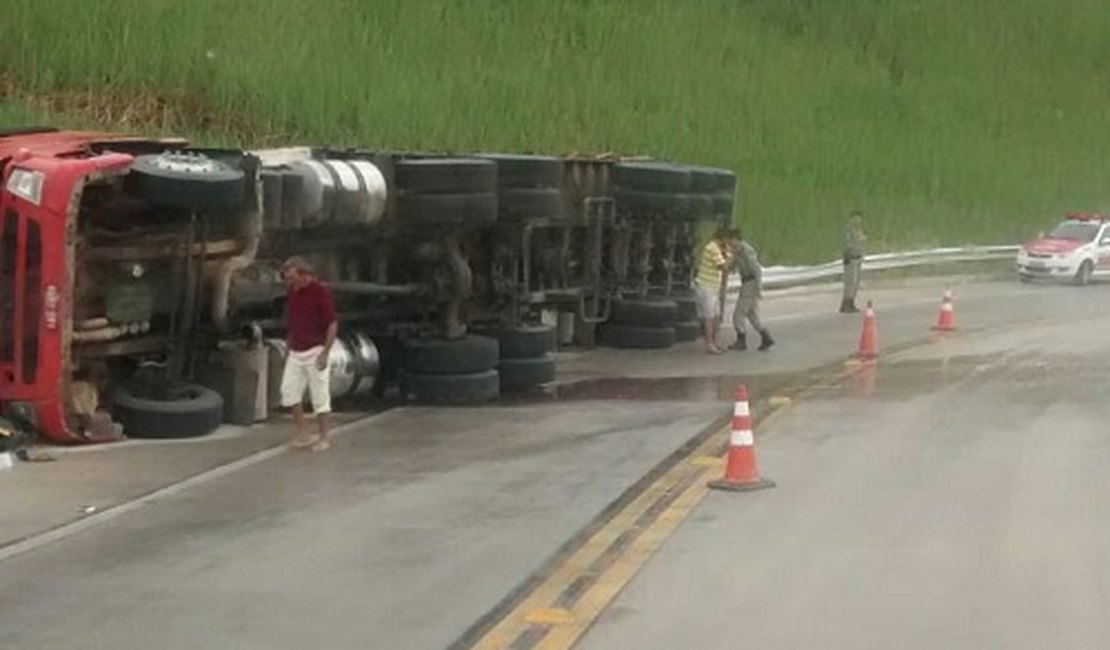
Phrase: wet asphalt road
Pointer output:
(954, 497)
(949, 493)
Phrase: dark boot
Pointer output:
(765, 340)
(848, 307)
(741, 343)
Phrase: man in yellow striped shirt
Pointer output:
(712, 266)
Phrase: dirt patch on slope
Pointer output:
(149, 112)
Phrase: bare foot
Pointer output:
(323, 444)
(304, 441)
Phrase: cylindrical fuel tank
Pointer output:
(320, 193)
(355, 366)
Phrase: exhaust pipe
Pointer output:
(221, 295)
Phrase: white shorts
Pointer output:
(709, 306)
(300, 373)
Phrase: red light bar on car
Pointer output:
(1087, 216)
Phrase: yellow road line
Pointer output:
(594, 602)
(578, 564)
(543, 621)
(550, 616)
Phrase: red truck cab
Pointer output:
(44, 175)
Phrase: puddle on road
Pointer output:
(721, 388)
(1033, 378)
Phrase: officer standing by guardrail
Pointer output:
(745, 261)
(853, 261)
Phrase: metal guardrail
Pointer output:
(785, 277)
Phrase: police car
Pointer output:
(1076, 250)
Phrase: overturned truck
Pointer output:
(140, 287)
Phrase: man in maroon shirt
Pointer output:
(310, 326)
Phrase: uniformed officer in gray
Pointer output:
(853, 261)
(745, 261)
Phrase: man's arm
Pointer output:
(327, 310)
(757, 268)
(853, 244)
(288, 329)
(322, 360)
(723, 258)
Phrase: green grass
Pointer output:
(17, 114)
(946, 121)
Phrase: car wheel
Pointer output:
(1083, 275)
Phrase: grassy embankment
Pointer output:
(947, 121)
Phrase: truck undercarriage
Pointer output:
(143, 294)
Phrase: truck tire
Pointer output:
(722, 204)
(187, 181)
(704, 180)
(451, 389)
(701, 206)
(644, 313)
(446, 176)
(526, 341)
(527, 172)
(628, 336)
(651, 177)
(447, 209)
(687, 308)
(639, 203)
(523, 203)
(726, 182)
(686, 331)
(518, 375)
(195, 411)
(468, 355)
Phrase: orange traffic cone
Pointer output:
(869, 338)
(741, 471)
(946, 322)
(865, 379)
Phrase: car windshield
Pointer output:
(1075, 231)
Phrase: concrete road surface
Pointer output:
(956, 497)
(951, 497)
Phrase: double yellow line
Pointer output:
(566, 601)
